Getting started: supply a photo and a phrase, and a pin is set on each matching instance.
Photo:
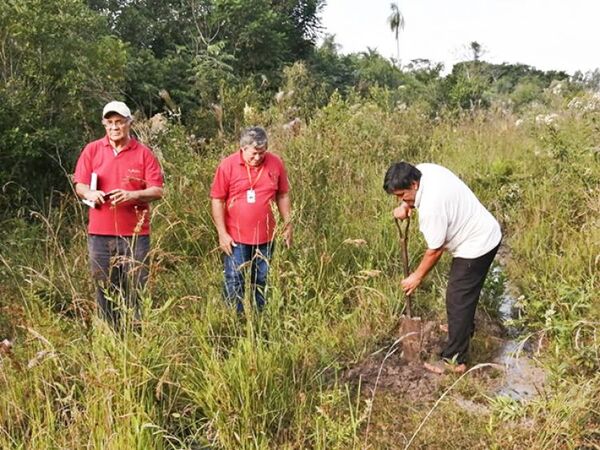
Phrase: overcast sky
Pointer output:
(546, 34)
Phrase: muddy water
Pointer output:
(523, 377)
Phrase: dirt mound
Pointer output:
(390, 369)
(397, 366)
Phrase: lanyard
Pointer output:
(252, 184)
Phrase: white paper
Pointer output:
(93, 187)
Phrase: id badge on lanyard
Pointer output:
(251, 193)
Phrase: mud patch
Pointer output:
(389, 370)
(394, 374)
(397, 366)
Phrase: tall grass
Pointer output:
(198, 375)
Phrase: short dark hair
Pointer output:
(400, 176)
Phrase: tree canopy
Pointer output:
(61, 60)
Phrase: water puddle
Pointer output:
(523, 378)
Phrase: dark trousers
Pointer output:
(462, 295)
(243, 257)
(119, 269)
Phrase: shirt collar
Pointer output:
(242, 162)
(419, 193)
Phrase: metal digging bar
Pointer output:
(404, 248)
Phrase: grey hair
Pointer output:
(256, 136)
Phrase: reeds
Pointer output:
(199, 376)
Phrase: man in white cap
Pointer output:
(118, 177)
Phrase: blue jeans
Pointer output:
(244, 256)
(119, 266)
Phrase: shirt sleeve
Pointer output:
(83, 169)
(284, 184)
(434, 228)
(220, 184)
(153, 171)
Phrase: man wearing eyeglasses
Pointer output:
(246, 183)
(118, 177)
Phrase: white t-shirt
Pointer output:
(450, 215)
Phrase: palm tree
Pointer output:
(477, 50)
(396, 21)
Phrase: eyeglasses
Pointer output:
(115, 123)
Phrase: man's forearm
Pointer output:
(82, 189)
(430, 259)
(149, 194)
(218, 214)
(144, 195)
(284, 205)
(285, 210)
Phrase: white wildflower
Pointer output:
(575, 103)
(547, 119)
(248, 111)
(557, 89)
(5, 346)
(293, 126)
(355, 242)
(279, 96)
(39, 357)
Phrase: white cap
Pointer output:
(117, 107)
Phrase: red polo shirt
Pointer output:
(246, 222)
(133, 168)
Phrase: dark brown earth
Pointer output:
(394, 367)
(397, 366)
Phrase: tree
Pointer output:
(477, 50)
(396, 22)
(58, 65)
(372, 69)
(173, 42)
(336, 71)
(467, 85)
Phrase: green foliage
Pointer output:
(199, 375)
(190, 49)
(263, 35)
(526, 92)
(590, 79)
(58, 65)
(374, 70)
(301, 93)
(334, 70)
(465, 87)
(202, 62)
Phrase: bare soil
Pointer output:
(397, 366)
(388, 369)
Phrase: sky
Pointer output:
(545, 34)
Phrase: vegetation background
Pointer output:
(526, 141)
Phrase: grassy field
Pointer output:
(197, 376)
